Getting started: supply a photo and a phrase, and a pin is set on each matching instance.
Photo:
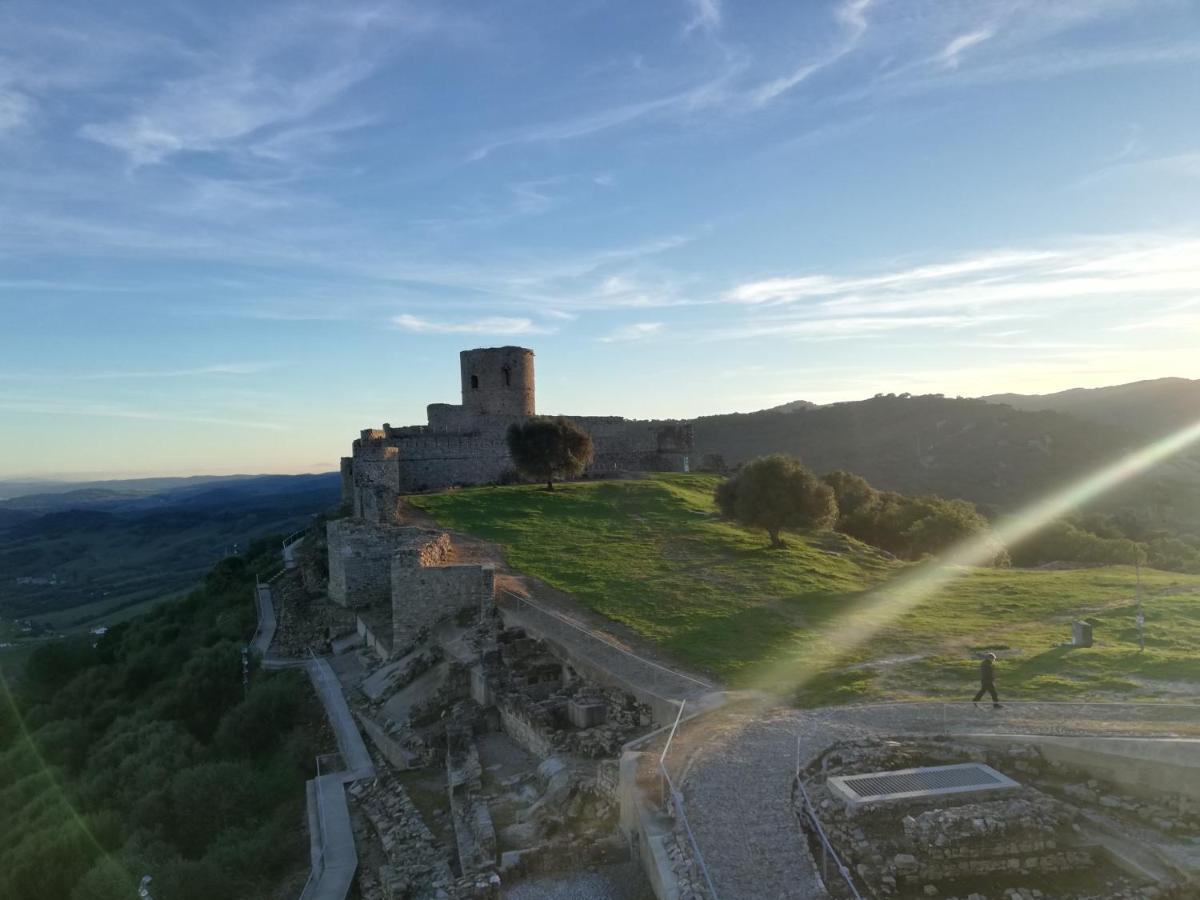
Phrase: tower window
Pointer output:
(507, 376)
(475, 382)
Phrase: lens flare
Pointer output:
(885, 604)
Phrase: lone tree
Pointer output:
(776, 492)
(544, 449)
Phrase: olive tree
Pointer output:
(544, 448)
(776, 492)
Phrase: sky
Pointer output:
(234, 234)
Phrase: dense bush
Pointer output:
(909, 527)
(776, 492)
(141, 754)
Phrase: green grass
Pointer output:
(652, 555)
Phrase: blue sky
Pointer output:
(232, 235)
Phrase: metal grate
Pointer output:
(906, 784)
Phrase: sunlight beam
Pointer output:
(913, 588)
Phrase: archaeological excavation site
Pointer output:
(993, 817)
(495, 754)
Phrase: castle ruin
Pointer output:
(465, 444)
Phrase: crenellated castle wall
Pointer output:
(465, 444)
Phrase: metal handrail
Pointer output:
(827, 851)
(677, 805)
(318, 866)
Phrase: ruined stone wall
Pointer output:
(624, 445)
(423, 596)
(532, 735)
(347, 472)
(360, 558)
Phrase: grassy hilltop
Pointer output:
(652, 555)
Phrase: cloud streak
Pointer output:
(497, 325)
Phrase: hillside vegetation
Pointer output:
(1151, 407)
(652, 555)
(140, 754)
(76, 559)
(988, 453)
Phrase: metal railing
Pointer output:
(827, 851)
(668, 790)
(318, 865)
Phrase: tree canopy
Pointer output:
(544, 448)
(777, 492)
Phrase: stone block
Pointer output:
(1081, 634)
(586, 713)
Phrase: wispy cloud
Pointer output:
(15, 110)
(637, 332)
(113, 411)
(705, 15)
(841, 327)
(499, 325)
(1116, 271)
(951, 54)
(1185, 165)
(247, 92)
(852, 15)
(217, 369)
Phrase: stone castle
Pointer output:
(465, 444)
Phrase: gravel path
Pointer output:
(735, 768)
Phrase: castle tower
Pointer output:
(497, 381)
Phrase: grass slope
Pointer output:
(652, 555)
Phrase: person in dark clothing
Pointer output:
(987, 680)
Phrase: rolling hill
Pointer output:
(1150, 408)
(79, 557)
(989, 453)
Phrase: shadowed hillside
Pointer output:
(1148, 407)
(988, 453)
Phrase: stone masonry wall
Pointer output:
(360, 557)
(423, 596)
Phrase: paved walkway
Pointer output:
(604, 661)
(264, 635)
(736, 767)
(336, 862)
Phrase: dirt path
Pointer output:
(474, 550)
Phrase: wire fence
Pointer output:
(828, 853)
(672, 801)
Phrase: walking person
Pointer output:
(987, 680)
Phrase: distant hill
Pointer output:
(140, 486)
(97, 550)
(990, 453)
(1150, 408)
(140, 495)
(794, 406)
